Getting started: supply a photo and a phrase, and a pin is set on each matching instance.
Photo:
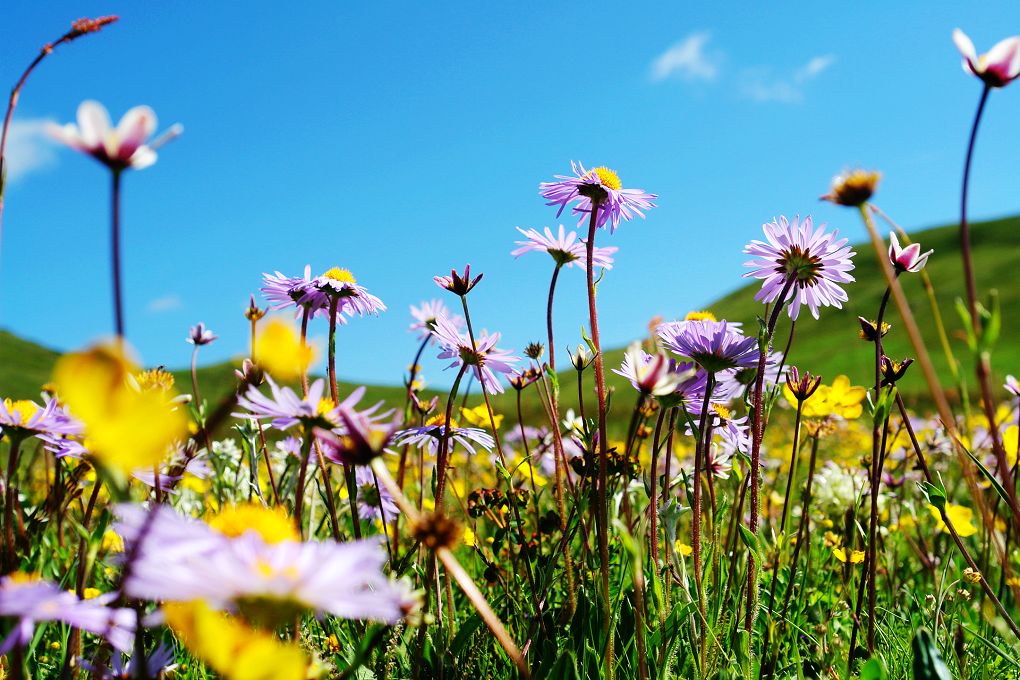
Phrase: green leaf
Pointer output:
(993, 324)
(999, 489)
(968, 326)
(874, 669)
(465, 634)
(928, 663)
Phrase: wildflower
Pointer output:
(838, 399)
(892, 371)
(807, 262)
(853, 187)
(254, 313)
(358, 440)
(564, 249)
(855, 557)
(251, 563)
(702, 315)
(23, 418)
(374, 499)
(284, 291)
(484, 358)
(580, 358)
(230, 647)
(799, 388)
(30, 599)
(869, 329)
(596, 188)
(714, 345)
(125, 146)
(959, 515)
(479, 416)
(972, 575)
(435, 428)
(352, 298)
(434, 530)
(650, 375)
(279, 350)
(286, 408)
(1012, 385)
(127, 428)
(521, 379)
(455, 283)
(158, 664)
(909, 259)
(157, 378)
(200, 335)
(719, 461)
(998, 67)
(425, 316)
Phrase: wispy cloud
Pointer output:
(762, 85)
(166, 303)
(29, 148)
(687, 59)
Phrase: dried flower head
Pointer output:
(435, 530)
(853, 187)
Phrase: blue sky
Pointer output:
(402, 139)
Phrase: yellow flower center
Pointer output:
(723, 412)
(341, 275)
(274, 526)
(155, 379)
(608, 178)
(22, 577)
(700, 315)
(22, 410)
(440, 420)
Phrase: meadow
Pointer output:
(815, 477)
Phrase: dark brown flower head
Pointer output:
(802, 386)
(534, 350)
(853, 187)
(521, 380)
(869, 329)
(253, 313)
(434, 530)
(456, 283)
(892, 371)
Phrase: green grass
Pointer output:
(829, 346)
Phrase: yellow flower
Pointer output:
(959, 515)
(333, 644)
(231, 648)
(127, 428)
(274, 525)
(279, 350)
(1009, 442)
(90, 593)
(469, 537)
(684, 549)
(479, 416)
(856, 556)
(972, 575)
(838, 399)
(112, 542)
(833, 540)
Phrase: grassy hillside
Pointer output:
(828, 346)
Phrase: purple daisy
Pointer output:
(714, 345)
(564, 249)
(282, 291)
(807, 264)
(182, 559)
(600, 187)
(1012, 385)
(285, 407)
(655, 375)
(432, 432)
(27, 418)
(374, 499)
(484, 358)
(30, 600)
(425, 316)
(352, 297)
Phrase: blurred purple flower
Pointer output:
(564, 249)
(200, 335)
(425, 316)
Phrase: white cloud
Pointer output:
(166, 303)
(762, 85)
(29, 148)
(687, 59)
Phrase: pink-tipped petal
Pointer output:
(965, 46)
(136, 126)
(93, 123)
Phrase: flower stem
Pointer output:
(10, 498)
(118, 302)
(549, 318)
(700, 453)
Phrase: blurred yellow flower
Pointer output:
(278, 349)
(274, 525)
(469, 537)
(959, 515)
(127, 428)
(856, 556)
(112, 542)
(479, 416)
(838, 399)
(684, 549)
(231, 648)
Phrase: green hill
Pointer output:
(828, 346)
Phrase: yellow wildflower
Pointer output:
(231, 648)
(972, 575)
(684, 549)
(856, 556)
(838, 399)
(127, 428)
(274, 525)
(279, 350)
(479, 416)
(959, 515)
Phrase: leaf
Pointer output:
(968, 325)
(874, 669)
(465, 634)
(999, 489)
(928, 663)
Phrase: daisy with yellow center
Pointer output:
(598, 189)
